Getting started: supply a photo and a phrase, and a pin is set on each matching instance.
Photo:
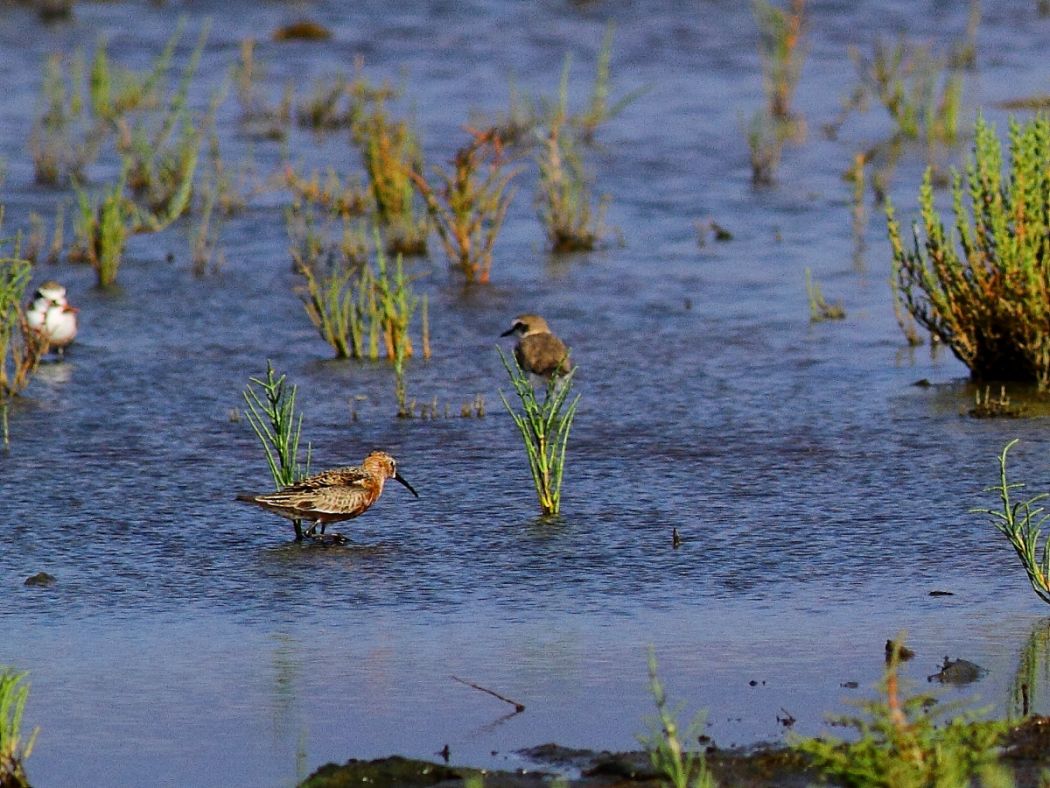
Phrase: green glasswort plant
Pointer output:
(1021, 522)
(13, 750)
(565, 196)
(102, 232)
(21, 348)
(900, 744)
(982, 290)
(353, 303)
(277, 426)
(468, 208)
(819, 308)
(780, 48)
(678, 766)
(921, 94)
(390, 151)
(598, 110)
(544, 428)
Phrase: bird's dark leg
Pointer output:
(322, 527)
(298, 530)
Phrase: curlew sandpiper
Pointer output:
(331, 496)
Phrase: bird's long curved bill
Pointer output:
(401, 479)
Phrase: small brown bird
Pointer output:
(538, 351)
(331, 496)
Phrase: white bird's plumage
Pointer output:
(51, 315)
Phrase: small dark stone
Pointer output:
(942, 593)
(42, 579)
(752, 683)
(849, 684)
(721, 233)
(304, 30)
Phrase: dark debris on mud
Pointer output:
(1026, 752)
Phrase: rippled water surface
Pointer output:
(821, 495)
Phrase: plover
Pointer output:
(51, 315)
(331, 496)
(538, 351)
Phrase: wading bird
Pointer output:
(331, 496)
(538, 351)
(51, 316)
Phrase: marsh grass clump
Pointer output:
(819, 308)
(1021, 522)
(982, 289)
(277, 425)
(14, 751)
(258, 117)
(21, 348)
(991, 407)
(343, 197)
(204, 237)
(598, 109)
(920, 91)
(900, 742)
(356, 305)
(101, 230)
(571, 222)
(668, 745)
(470, 204)
(82, 108)
(544, 427)
(390, 150)
(765, 144)
(781, 49)
(328, 106)
(61, 148)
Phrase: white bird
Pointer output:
(51, 315)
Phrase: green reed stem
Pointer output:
(544, 428)
(277, 426)
(677, 766)
(1021, 523)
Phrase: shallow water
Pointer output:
(820, 494)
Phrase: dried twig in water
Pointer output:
(518, 707)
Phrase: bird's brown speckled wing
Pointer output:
(543, 354)
(337, 477)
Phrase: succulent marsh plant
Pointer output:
(782, 51)
(355, 305)
(571, 222)
(14, 750)
(982, 288)
(668, 744)
(390, 150)
(544, 427)
(21, 348)
(819, 308)
(920, 91)
(1021, 522)
(278, 427)
(469, 206)
(902, 744)
(101, 230)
